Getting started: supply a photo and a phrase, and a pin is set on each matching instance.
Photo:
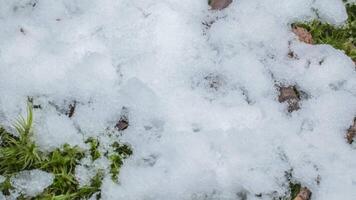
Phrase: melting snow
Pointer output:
(31, 183)
(200, 87)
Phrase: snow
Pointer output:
(156, 58)
(2, 179)
(54, 130)
(31, 182)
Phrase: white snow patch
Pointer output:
(31, 182)
(56, 130)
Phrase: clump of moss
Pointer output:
(20, 152)
(62, 162)
(120, 152)
(342, 38)
(6, 186)
(294, 189)
(94, 145)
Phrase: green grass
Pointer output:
(19, 153)
(94, 145)
(343, 38)
(22, 153)
(120, 152)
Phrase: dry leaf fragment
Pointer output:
(303, 34)
(219, 4)
(290, 95)
(123, 123)
(351, 133)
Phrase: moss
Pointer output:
(5, 186)
(120, 152)
(62, 162)
(342, 38)
(294, 189)
(21, 153)
(94, 145)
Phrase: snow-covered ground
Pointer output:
(202, 102)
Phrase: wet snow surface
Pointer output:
(200, 89)
(31, 183)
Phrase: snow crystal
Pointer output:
(199, 88)
(31, 182)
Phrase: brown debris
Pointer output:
(303, 34)
(71, 109)
(219, 4)
(291, 54)
(38, 106)
(22, 30)
(351, 133)
(123, 123)
(290, 95)
(304, 194)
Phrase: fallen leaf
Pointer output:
(351, 133)
(219, 4)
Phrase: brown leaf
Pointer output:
(71, 109)
(123, 123)
(290, 95)
(219, 4)
(304, 194)
(303, 34)
(351, 133)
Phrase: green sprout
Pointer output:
(6, 186)
(294, 189)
